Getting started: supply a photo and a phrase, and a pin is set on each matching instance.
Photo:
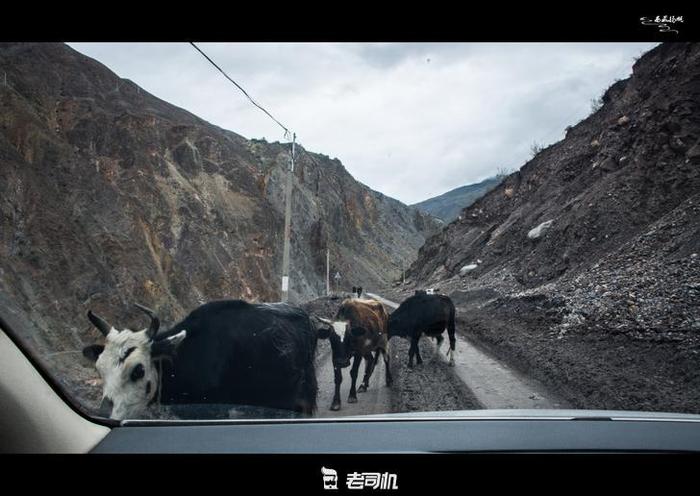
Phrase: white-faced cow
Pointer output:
(424, 313)
(363, 327)
(224, 352)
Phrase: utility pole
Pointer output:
(328, 272)
(287, 224)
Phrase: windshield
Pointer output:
(279, 230)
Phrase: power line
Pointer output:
(286, 131)
(289, 184)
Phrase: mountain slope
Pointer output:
(583, 265)
(109, 195)
(448, 206)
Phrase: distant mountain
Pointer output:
(448, 205)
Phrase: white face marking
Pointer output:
(116, 365)
(340, 327)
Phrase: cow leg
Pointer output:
(411, 352)
(439, 338)
(419, 360)
(453, 340)
(335, 404)
(451, 352)
(352, 397)
(385, 355)
(370, 363)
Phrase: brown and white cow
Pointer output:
(362, 325)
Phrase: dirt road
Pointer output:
(377, 398)
(493, 383)
(476, 381)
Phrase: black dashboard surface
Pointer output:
(409, 436)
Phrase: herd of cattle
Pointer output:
(262, 354)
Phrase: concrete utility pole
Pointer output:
(287, 224)
(328, 272)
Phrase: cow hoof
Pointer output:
(335, 407)
(362, 388)
(352, 399)
(410, 365)
(452, 362)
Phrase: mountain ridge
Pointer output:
(447, 206)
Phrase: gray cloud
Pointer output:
(411, 120)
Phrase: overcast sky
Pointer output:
(411, 120)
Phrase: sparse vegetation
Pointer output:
(596, 103)
(536, 148)
(503, 172)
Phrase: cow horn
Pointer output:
(99, 322)
(325, 321)
(155, 321)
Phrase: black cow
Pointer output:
(424, 313)
(230, 352)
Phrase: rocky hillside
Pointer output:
(448, 206)
(583, 266)
(109, 195)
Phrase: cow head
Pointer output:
(337, 332)
(127, 365)
(399, 322)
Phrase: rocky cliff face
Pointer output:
(109, 195)
(583, 265)
(448, 206)
(616, 173)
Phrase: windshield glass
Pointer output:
(279, 230)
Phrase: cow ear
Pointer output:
(357, 331)
(93, 351)
(167, 346)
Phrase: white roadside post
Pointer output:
(337, 279)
